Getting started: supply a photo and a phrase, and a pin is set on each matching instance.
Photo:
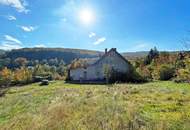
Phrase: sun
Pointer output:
(86, 16)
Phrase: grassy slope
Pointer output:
(158, 105)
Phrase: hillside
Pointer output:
(2, 52)
(133, 55)
(51, 53)
(62, 53)
(150, 106)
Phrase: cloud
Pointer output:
(141, 46)
(28, 28)
(92, 34)
(40, 46)
(11, 18)
(9, 46)
(11, 39)
(10, 43)
(19, 5)
(99, 41)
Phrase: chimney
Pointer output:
(106, 50)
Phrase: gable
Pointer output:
(111, 56)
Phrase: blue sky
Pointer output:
(128, 25)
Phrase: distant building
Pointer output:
(96, 70)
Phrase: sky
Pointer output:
(128, 25)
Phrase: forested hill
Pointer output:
(2, 52)
(133, 55)
(51, 53)
(65, 54)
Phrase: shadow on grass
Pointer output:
(3, 91)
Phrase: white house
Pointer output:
(96, 71)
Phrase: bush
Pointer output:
(137, 78)
(131, 76)
(183, 75)
(144, 72)
(166, 72)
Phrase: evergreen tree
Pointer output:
(153, 53)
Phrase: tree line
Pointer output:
(164, 66)
(155, 66)
(24, 72)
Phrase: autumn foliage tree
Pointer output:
(5, 76)
(23, 75)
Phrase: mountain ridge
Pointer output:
(67, 54)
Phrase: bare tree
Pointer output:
(186, 42)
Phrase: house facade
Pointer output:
(96, 71)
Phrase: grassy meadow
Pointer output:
(149, 106)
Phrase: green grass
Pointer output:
(150, 106)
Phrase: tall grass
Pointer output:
(151, 106)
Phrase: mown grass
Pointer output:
(150, 106)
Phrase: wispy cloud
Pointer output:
(141, 46)
(11, 18)
(92, 34)
(9, 46)
(100, 40)
(12, 39)
(28, 28)
(10, 43)
(19, 5)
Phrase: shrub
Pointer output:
(166, 72)
(183, 75)
(144, 72)
(130, 76)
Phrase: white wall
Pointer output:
(96, 71)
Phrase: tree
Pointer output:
(4, 62)
(61, 70)
(186, 42)
(166, 72)
(23, 75)
(163, 72)
(6, 76)
(145, 72)
(21, 61)
(183, 74)
(153, 53)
